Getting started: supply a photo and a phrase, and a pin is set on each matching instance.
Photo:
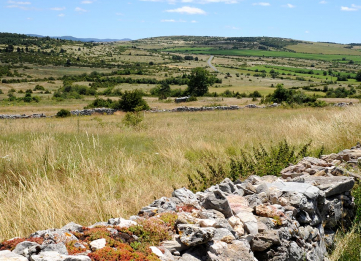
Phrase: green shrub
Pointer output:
(39, 88)
(1, 91)
(63, 113)
(260, 162)
(133, 119)
(132, 100)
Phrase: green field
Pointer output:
(260, 53)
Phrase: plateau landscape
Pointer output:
(190, 130)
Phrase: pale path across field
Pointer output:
(210, 64)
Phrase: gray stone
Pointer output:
(191, 235)
(332, 185)
(197, 253)
(249, 221)
(121, 222)
(174, 245)
(59, 248)
(99, 224)
(7, 255)
(186, 196)
(77, 258)
(210, 214)
(98, 244)
(218, 201)
(237, 251)
(223, 234)
(55, 235)
(265, 240)
(295, 252)
(73, 227)
(48, 256)
(23, 247)
(227, 186)
(308, 190)
(164, 204)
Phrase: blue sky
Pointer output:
(314, 20)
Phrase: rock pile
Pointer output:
(214, 108)
(343, 104)
(89, 112)
(293, 217)
(22, 116)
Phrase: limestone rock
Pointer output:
(77, 258)
(218, 201)
(174, 245)
(98, 244)
(230, 252)
(249, 221)
(7, 255)
(48, 256)
(186, 196)
(23, 248)
(238, 203)
(121, 222)
(72, 227)
(59, 248)
(265, 240)
(191, 235)
(224, 235)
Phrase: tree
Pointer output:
(358, 76)
(199, 81)
(132, 101)
(163, 91)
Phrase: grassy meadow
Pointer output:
(356, 57)
(88, 169)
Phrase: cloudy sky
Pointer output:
(314, 20)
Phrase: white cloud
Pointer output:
(307, 32)
(289, 6)
(19, 3)
(194, 21)
(81, 10)
(187, 10)
(323, 2)
(345, 8)
(195, 1)
(262, 4)
(173, 21)
(61, 15)
(58, 8)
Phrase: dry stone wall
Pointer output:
(293, 217)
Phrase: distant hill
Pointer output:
(71, 38)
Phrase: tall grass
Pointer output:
(53, 172)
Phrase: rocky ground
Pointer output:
(293, 217)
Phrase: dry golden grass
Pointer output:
(324, 48)
(54, 171)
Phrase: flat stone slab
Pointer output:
(305, 188)
(331, 185)
(7, 255)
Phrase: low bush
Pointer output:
(63, 113)
(259, 162)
